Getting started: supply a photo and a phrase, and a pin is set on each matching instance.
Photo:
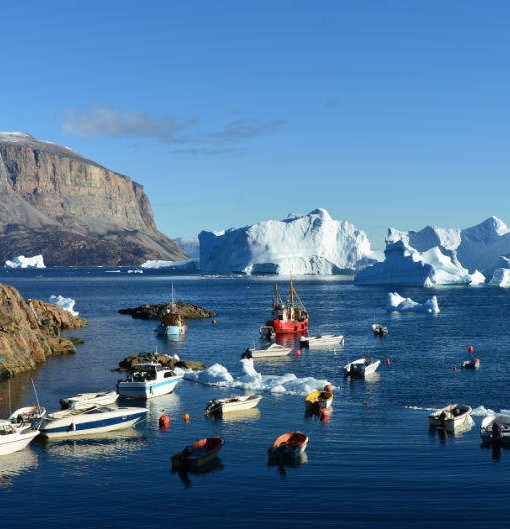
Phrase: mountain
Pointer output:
(309, 244)
(72, 210)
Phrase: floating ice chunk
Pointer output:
(397, 303)
(216, 375)
(482, 411)
(501, 278)
(21, 261)
(65, 303)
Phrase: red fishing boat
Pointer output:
(291, 317)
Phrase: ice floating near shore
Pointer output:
(397, 303)
(65, 303)
(21, 261)
(183, 266)
(218, 375)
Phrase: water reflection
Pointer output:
(231, 417)
(12, 465)
(445, 434)
(185, 475)
(98, 445)
(283, 463)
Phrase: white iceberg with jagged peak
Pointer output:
(398, 303)
(476, 248)
(405, 266)
(312, 244)
(21, 261)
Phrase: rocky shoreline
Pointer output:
(165, 360)
(31, 331)
(155, 312)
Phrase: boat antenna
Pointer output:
(10, 404)
(292, 291)
(35, 392)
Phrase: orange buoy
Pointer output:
(298, 352)
(365, 403)
(213, 322)
(164, 421)
(470, 348)
(186, 417)
(388, 362)
(324, 414)
(328, 388)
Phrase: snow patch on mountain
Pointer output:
(308, 244)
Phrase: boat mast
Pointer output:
(292, 291)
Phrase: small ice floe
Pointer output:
(397, 303)
(21, 261)
(482, 411)
(218, 375)
(135, 271)
(65, 303)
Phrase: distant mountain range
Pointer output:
(72, 210)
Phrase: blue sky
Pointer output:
(386, 113)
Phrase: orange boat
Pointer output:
(288, 318)
(199, 453)
(290, 444)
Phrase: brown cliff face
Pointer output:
(71, 210)
(30, 331)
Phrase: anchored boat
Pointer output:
(172, 323)
(231, 404)
(270, 351)
(322, 341)
(288, 318)
(198, 454)
(82, 401)
(149, 380)
(361, 368)
(451, 417)
(290, 444)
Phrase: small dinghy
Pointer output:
(82, 401)
(495, 429)
(198, 454)
(290, 444)
(317, 400)
(471, 364)
(232, 404)
(270, 351)
(28, 417)
(361, 368)
(322, 341)
(380, 329)
(451, 417)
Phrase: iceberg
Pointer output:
(21, 261)
(398, 303)
(189, 266)
(501, 276)
(404, 265)
(312, 244)
(65, 303)
(190, 246)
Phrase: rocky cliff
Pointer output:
(30, 331)
(72, 210)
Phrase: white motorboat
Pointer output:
(82, 401)
(322, 341)
(451, 417)
(14, 436)
(270, 351)
(231, 404)
(380, 329)
(71, 423)
(267, 332)
(495, 428)
(361, 368)
(148, 380)
(28, 417)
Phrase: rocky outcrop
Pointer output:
(72, 210)
(30, 331)
(155, 312)
(129, 363)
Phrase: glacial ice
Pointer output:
(183, 266)
(21, 261)
(396, 302)
(303, 245)
(251, 380)
(406, 266)
(65, 303)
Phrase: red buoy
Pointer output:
(388, 362)
(328, 388)
(213, 322)
(186, 417)
(470, 348)
(298, 352)
(164, 421)
(454, 368)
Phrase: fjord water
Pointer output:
(373, 464)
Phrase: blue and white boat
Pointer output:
(149, 380)
(172, 323)
(98, 419)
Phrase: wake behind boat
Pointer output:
(232, 404)
(149, 380)
(72, 423)
(270, 351)
(451, 417)
(361, 368)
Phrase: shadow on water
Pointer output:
(185, 473)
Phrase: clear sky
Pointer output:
(386, 113)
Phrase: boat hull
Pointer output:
(147, 389)
(233, 404)
(288, 326)
(322, 342)
(451, 417)
(170, 330)
(289, 445)
(199, 454)
(359, 368)
(17, 441)
(80, 425)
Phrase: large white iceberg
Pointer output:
(302, 245)
(501, 276)
(21, 261)
(477, 248)
(398, 303)
(190, 246)
(405, 266)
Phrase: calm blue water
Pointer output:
(373, 464)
